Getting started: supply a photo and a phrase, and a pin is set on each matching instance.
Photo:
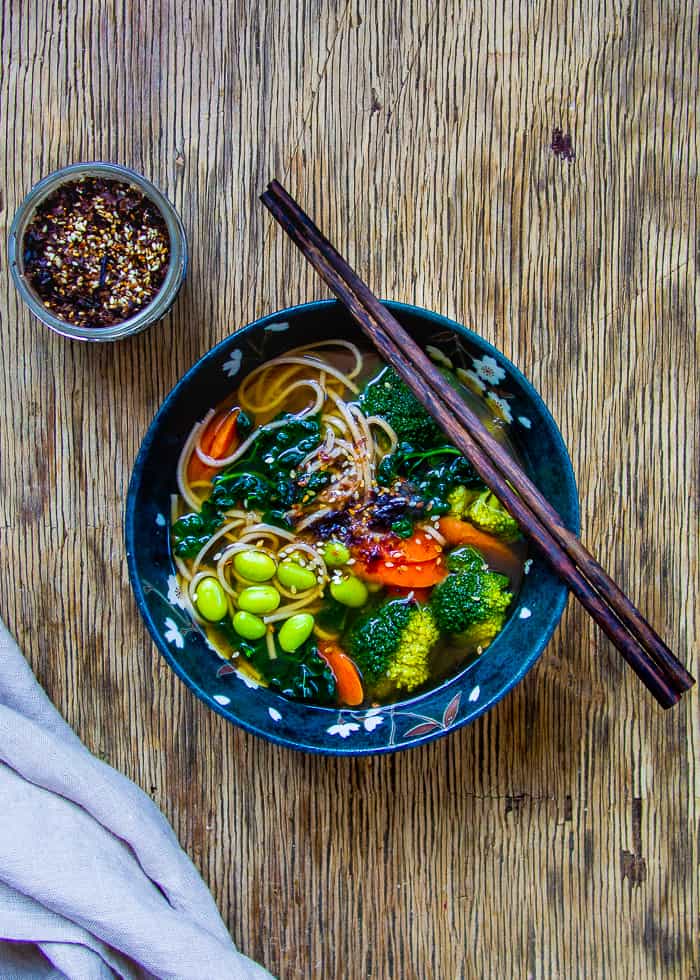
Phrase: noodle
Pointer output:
(226, 529)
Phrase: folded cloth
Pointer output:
(93, 883)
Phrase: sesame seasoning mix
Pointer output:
(96, 252)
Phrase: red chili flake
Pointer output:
(561, 145)
(96, 252)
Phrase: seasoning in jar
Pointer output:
(96, 252)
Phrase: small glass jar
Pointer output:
(177, 262)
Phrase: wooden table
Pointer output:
(557, 836)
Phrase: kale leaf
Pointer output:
(303, 674)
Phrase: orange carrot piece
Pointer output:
(420, 547)
(347, 676)
(406, 576)
(225, 440)
(196, 469)
(457, 532)
(217, 441)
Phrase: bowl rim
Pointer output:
(341, 748)
(177, 266)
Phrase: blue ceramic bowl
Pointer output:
(453, 703)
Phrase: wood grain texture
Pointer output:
(558, 836)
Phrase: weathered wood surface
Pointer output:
(556, 837)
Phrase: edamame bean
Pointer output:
(255, 566)
(248, 626)
(335, 554)
(293, 576)
(294, 631)
(349, 591)
(260, 599)
(210, 599)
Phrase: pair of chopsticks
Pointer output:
(647, 654)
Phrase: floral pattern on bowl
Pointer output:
(511, 401)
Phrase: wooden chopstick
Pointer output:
(626, 612)
(654, 663)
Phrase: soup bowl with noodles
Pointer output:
(311, 555)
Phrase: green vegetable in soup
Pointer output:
(466, 557)
(349, 590)
(293, 576)
(335, 553)
(295, 631)
(393, 642)
(488, 513)
(431, 476)
(259, 599)
(300, 674)
(254, 566)
(389, 397)
(479, 635)
(248, 625)
(460, 497)
(469, 596)
(210, 599)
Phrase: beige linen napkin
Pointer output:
(93, 883)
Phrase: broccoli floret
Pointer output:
(466, 557)
(391, 399)
(409, 665)
(394, 641)
(468, 596)
(479, 635)
(488, 513)
(460, 498)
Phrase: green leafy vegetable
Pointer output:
(303, 674)
(468, 596)
(393, 641)
(390, 398)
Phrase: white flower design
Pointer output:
(525, 422)
(488, 369)
(525, 613)
(274, 714)
(173, 635)
(233, 365)
(176, 597)
(471, 379)
(527, 566)
(372, 719)
(343, 729)
(277, 327)
(222, 699)
(438, 356)
(502, 406)
(160, 520)
(475, 692)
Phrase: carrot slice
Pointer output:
(407, 576)
(347, 676)
(457, 532)
(217, 441)
(225, 435)
(420, 547)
